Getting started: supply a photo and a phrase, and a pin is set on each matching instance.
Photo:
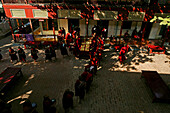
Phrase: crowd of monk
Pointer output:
(84, 81)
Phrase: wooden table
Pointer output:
(8, 76)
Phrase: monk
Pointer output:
(47, 54)
(13, 55)
(21, 54)
(34, 54)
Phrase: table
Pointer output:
(8, 76)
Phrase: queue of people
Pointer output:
(84, 81)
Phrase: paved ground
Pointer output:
(116, 88)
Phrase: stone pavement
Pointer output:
(115, 89)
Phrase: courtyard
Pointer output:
(115, 89)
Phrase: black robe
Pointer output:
(13, 55)
(34, 54)
(63, 49)
(52, 51)
(21, 54)
(48, 55)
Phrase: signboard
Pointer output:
(69, 14)
(19, 13)
(105, 15)
(74, 14)
(136, 16)
(40, 13)
(63, 13)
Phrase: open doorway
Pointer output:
(72, 23)
(103, 24)
(147, 26)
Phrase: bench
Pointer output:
(158, 87)
(8, 76)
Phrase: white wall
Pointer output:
(154, 31)
(63, 23)
(91, 24)
(111, 28)
(82, 26)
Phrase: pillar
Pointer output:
(41, 27)
(53, 29)
(9, 22)
(82, 25)
(120, 32)
(32, 29)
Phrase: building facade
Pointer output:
(43, 18)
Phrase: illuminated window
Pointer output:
(40, 13)
(18, 13)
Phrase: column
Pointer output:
(32, 29)
(82, 26)
(11, 29)
(41, 27)
(120, 32)
(53, 29)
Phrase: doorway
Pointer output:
(72, 23)
(103, 24)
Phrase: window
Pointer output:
(40, 13)
(18, 13)
(127, 24)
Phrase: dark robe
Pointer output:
(21, 54)
(48, 106)
(48, 55)
(63, 49)
(13, 55)
(80, 89)
(34, 54)
(67, 99)
(52, 52)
